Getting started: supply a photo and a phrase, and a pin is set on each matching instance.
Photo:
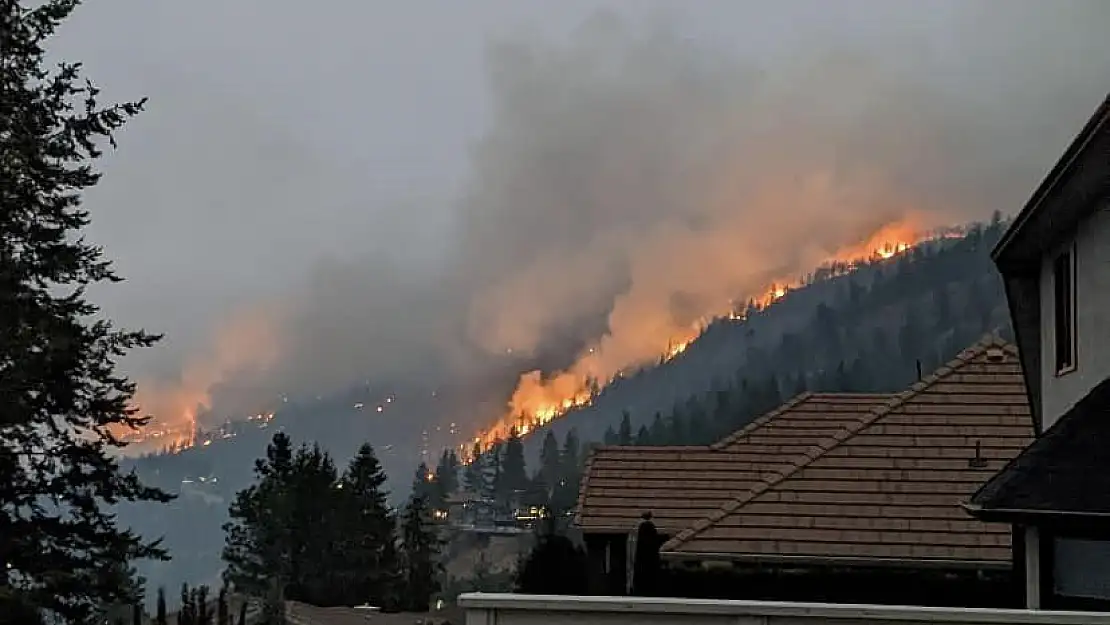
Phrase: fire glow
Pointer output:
(539, 400)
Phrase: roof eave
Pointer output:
(835, 561)
(1029, 516)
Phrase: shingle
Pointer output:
(620, 483)
(1067, 469)
(890, 484)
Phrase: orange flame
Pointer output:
(538, 400)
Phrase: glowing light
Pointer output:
(539, 400)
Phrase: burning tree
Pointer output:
(63, 402)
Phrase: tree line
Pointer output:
(306, 532)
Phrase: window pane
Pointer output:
(1082, 568)
(1064, 313)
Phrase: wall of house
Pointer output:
(1092, 253)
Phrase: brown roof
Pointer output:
(888, 486)
(680, 485)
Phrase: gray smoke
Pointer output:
(633, 179)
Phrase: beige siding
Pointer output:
(1092, 250)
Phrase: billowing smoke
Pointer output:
(632, 181)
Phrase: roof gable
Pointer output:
(889, 486)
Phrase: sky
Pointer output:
(318, 194)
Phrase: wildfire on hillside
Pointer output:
(538, 400)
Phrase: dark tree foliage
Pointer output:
(474, 478)
(369, 553)
(624, 434)
(446, 476)
(62, 553)
(160, 608)
(423, 482)
(554, 566)
(281, 528)
(420, 547)
(922, 308)
(513, 476)
(223, 615)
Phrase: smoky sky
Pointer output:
(400, 189)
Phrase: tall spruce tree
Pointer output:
(514, 473)
(551, 465)
(474, 477)
(64, 405)
(370, 556)
(420, 546)
(160, 608)
(279, 541)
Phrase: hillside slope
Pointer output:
(866, 330)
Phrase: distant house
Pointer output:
(847, 498)
(680, 485)
(1055, 261)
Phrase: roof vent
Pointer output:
(978, 462)
(995, 354)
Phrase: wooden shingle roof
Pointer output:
(681, 485)
(888, 486)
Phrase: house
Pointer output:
(877, 502)
(680, 485)
(1055, 262)
(839, 492)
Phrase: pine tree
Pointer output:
(371, 561)
(421, 556)
(624, 434)
(514, 473)
(243, 613)
(610, 437)
(202, 615)
(223, 616)
(643, 437)
(137, 614)
(279, 542)
(446, 479)
(185, 614)
(551, 466)
(64, 404)
(160, 609)
(423, 482)
(256, 542)
(658, 430)
(473, 476)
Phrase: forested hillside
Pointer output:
(866, 329)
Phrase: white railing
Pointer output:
(507, 609)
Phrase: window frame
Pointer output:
(1062, 369)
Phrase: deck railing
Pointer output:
(509, 609)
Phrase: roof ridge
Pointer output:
(847, 432)
(761, 420)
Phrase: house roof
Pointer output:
(680, 485)
(1066, 471)
(887, 487)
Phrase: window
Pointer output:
(1063, 284)
(1082, 568)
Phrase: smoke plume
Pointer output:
(631, 181)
